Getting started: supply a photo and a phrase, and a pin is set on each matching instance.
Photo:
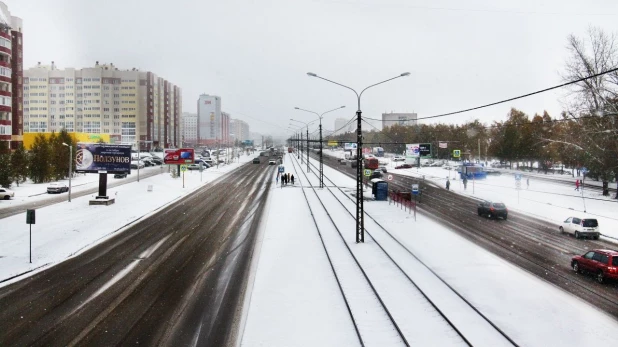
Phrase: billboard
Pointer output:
(425, 150)
(413, 150)
(348, 146)
(178, 156)
(102, 157)
(247, 143)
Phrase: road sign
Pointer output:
(281, 169)
(183, 168)
(518, 177)
(367, 172)
(456, 153)
(415, 189)
(584, 170)
(389, 177)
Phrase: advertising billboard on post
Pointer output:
(424, 150)
(102, 157)
(178, 156)
(349, 146)
(413, 150)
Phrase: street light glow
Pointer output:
(64, 144)
(311, 74)
(405, 74)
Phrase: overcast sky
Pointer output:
(255, 54)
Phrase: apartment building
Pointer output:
(189, 128)
(11, 78)
(240, 129)
(132, 106)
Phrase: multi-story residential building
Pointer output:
(240, 129)
(343, 126)
(213, 126)
(404, 119)
(11, 78)
(132, 106)
(189, 128)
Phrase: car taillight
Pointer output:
(492, 209)
(612, 269)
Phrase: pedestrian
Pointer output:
(292, 178)
(277, 178)
(288, 178)
(527, 182)
(465, 182)
(283, 177)
(448, 184)
(576, 184)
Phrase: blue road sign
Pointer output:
(584, 170)
(281, 169)
(415, 189)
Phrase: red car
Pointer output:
(403, 166)
(603, 263)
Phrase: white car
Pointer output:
(272, 162)
(6, 194)
(137, 164)
(399, 158)
(581, 227)
(57, 188)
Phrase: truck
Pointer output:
(378, 151)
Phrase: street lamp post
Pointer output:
(299, 140)
(360, 224)
(321, 146)
(307, 125)
(70, 166)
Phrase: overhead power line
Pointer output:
(515, 98)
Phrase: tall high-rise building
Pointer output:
(213, 126)
(343, 126)
(189, 128)
(11, 78)
(403, 119)
(132, 106)
(240, 129)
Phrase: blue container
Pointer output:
(381, 190)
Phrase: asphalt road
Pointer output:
(175, 279)
(111, 182)
(530, 243)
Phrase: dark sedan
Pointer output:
(403, 166)
(492, 209)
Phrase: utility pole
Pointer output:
(308, 149)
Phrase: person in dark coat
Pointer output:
(284, 179)
(448, 184)
(292, 179)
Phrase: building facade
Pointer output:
(132, 106)
(403, 119)
(11, 78)
(240, 129)
(343, 126)
(213, 126)
(189, 128)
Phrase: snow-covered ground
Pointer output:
(547, 200)
(67, 228)
(295, 299)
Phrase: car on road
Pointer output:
(581, 227)
(120, 175)
(57, 188)
(256, 160)
(193, 167)
(398, 158)
(492, 209)
(383, 168)
(377, 173)
(6, 194)
(272, 162)
(404, 166)
(602, 263)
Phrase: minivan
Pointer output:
(581, 227)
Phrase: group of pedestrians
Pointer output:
(286, 178)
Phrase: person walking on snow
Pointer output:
(277, 178)
(527, 182)
(448, 184)
(576, 184)
(292, 178)
(465, 182)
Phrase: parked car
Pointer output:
(492, 209)
(193, 167)
(120, 175)
(403, 166)
(399, 158)
(137, 164)
(157, 161)
(6, 194)
(383, 168)
(602, 263)
(581, 227)
(256, 160)
(57, 188)
(272, 162)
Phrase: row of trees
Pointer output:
(584, 135)
(47, 160)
